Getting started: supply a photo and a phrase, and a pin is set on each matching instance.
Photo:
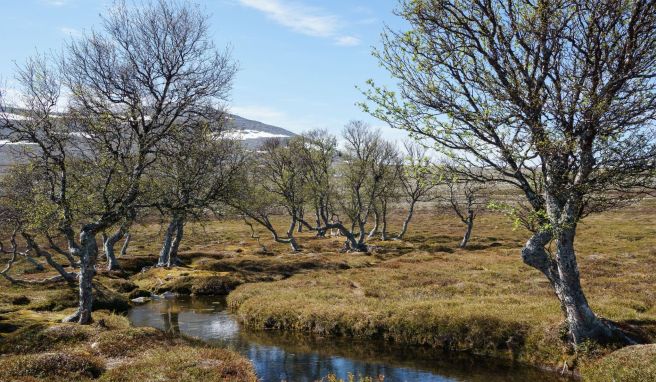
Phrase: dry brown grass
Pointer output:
(481, 299)
(424, 290)
(43, 349)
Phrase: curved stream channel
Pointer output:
(298, 358)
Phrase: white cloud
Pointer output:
(347, 41)
(302, 19)
(55, 3)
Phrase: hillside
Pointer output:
(252, 133)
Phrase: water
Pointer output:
(300, 358)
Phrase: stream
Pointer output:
(303, 358)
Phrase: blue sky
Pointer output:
(300, 60)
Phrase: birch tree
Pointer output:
(558, 93)
(199, 166)
(148, 70)
(368, 160)
(466, 199)
(417, 179)
(275, 186)
(317, 152)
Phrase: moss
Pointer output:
(630, 364)
(184, 363)
(51, 366)
(214, 286)
(187, 281)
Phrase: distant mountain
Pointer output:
(253, 133)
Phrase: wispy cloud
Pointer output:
(347, 41)
(55, 3)
(303, 19)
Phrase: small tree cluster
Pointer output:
(150, 74)
(348, 191)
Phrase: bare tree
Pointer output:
(276, 185)
(368, 162)
(556, 93)
(465, 198)
(149, 70)
(26, 214)
(317, 151)
(417, 180)
(389, 193)
(199, 166)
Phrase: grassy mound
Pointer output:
(184, 363)
(630, 364)
(56, 366)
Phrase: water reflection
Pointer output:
(278, 356)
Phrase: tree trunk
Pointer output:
(126, 243)
(320, 232)
(173, 253)
(108, 247)
(292, 225)
(88, 258)
(470, 226)
(406, 222)
(383, 234)
(166, 245)
(69, 277)
(374, 230)
(583, 323)
(562, 271)
(294, 244)
(359, 244)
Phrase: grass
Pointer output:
(421, 291)
(43, 349)
(184, 363)
(482, 299)
(631, 364)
